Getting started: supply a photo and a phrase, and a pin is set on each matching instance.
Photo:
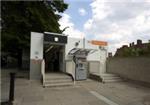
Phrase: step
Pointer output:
(58, 81)
(95, 77)
(55, 74)
(57, 77)
(59, 84)
(113, 80)
(108, 78)
(108, 75)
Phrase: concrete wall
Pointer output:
(137, 68)
(94, 67)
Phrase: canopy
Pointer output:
(80, 51)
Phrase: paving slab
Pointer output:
(29, 92)
(123, 93)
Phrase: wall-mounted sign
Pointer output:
(52, 38)
(100, 43)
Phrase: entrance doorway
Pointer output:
(53, 55)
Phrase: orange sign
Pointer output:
(100, 43)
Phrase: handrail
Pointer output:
(43, 71)
(71, 70)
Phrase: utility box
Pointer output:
(81, 67)
(79, 58)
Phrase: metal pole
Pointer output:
(84, 43)
(12, 87)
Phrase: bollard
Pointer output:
(12, 87)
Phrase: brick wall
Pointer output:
(134, 68)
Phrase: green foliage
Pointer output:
(19, 18)
(134, 51)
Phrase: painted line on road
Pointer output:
(106, 100)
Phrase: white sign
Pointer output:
(56, 39)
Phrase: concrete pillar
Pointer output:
(103, 56)
(36, 55)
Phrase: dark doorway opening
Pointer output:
(53, 55)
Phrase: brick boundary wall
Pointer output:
(132, 68)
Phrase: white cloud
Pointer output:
(119, 21)
(82, 11)
(71, 31)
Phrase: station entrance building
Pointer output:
(60, 59)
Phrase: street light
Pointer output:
(64, 29)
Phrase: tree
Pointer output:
(19, 18)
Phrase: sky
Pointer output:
(119, 22)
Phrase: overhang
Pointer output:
(80, 51)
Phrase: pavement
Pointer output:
(89, 92)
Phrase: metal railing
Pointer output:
(43, 71)
(70, 68)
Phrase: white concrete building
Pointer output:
(56, 55)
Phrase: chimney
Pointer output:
(124, 46)
(110, 54)
(139, 42)
(132, 44)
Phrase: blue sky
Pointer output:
(73, 11)
(119, 22)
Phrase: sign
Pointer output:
(100, 43)
(55, 38)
